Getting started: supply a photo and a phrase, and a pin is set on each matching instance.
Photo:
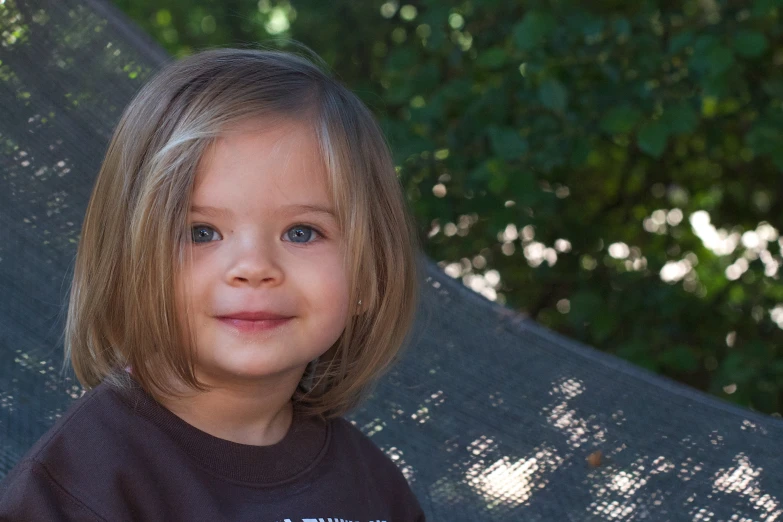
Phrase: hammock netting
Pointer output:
(489, 415)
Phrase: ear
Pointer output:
(360, 308)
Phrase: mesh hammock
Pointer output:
(490, 416)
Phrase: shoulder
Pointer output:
(95, 418)
(365, 459)
(349, 438)
(30, 492)
(57, 477)
(83, 409)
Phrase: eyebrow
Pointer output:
(301, 208)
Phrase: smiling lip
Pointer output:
(253, 316)
(252, 322)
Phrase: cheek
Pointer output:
(331, 284)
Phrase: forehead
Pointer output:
(263, 163)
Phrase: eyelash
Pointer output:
(319, 235)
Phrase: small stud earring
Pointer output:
(360, 302)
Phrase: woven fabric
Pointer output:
(490, 416)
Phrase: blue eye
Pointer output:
(301, 234)
(296, 234)
(203, 234)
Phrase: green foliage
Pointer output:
(534, 27)
(620, 119)
(750, 44)
(616, 164)
(553, 95)
(652, 138)
(506, 143)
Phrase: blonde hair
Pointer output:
(122, 302)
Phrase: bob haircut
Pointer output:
(134, 237)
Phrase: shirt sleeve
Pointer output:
(414, 512)
(419, 513)
(30, 494)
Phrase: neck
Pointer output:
(253, 413)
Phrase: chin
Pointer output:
(252, 360)
(257, 369)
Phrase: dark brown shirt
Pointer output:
(119, 455)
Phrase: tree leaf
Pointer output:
(523, 187)
(620, 120)
(680, 118)
(622, 27)
(680, 41)
(762, 7)
(553, 95)
(490, 174)
(507, 143)
(457, 89)
(720, 59)
(700, 60)
(652, 138)
(589, 23)
(580, 152)
(492, 58)
(533, 29)
(680, 358)
(584, 304)
(498, 182)
(603, 324)
(750, 44)
(401, 59)
(764, 138)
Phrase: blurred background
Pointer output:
(612, 169)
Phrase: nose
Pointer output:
(255, 264)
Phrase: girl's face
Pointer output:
(266, 287)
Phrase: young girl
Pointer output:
(246, 269)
